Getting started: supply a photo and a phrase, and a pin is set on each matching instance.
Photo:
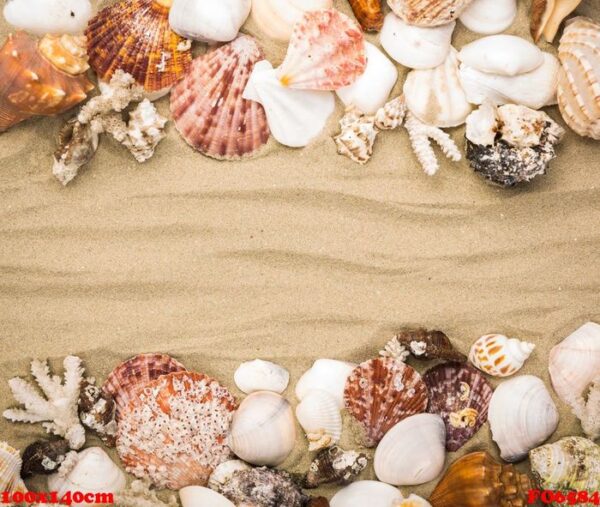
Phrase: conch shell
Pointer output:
(497, 355)
(368, 13)
(547, 15)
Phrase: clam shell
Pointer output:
(263, 430)
(500, 356)
(489, 16)
(380, 393)
(334, 465)
(41, 17)
(547, 16)
(208, 108)
(135, 36)
(327, 374)
(198, 496)
(175, 432)
(428, 12)
(461, 396)
(522, 416)
(320, 417)
(371, 493)
(425, 344)
(224, 472)
(10, 469)
(326, 52)
(259, 375)
(413, 452)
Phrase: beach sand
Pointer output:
(291, 256)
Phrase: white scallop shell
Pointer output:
(413, 452)
(413, 46)
(10, 469)
(263, 430)
(259, 375)
(41, 17)
(498, 355)
(320, 417)
(371, 90)
(435, 96)
(197, 496)
(522, 416)
(327, 374)
(295, 117)
(362, 493)
(225, 471)
(489, 16)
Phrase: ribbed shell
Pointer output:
(10, 468)
(461, 396)
(380, 393)
(579, 77)
(208, 108)
(428, 12)
(368, 13)
(134, 35)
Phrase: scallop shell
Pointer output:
(259, 375)
(334, 465)
(208, 108)
(368, 13)
(44, 457)
(327, 374)
(263, 431)
(175, 432)
(134, 36)
(413, 452)
(547, 16)
(428, 12)
(198, 496)
(42, 78)
(424, 344)
(461, 396)
(489, 16)
(435, 96)
(320, 417)
(127, 379)
(371, 493)
(326, 52)
(10, 469)
(522, 416)
(380, 393)
(579, 77)
(500, 356)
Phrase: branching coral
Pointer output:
(588, 411)
(395, 350)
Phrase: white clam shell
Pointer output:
(225, 471)
(366, 493)
(319, 415)
(371, 90)
(328, 375)
(295, 117)
(413, 452)
(41, 17)
(197, 496)
(498, 355)
(209, 21)
(489, 16)
(481, 127)
(259, 375)
(413, 46)
(522, 416)
(263, 430)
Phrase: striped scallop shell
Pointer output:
(461, 396)
(499, 356)
(428, 12)
(135, 36)
(208, 108)
(382, 392)
(175, 433)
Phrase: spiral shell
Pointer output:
(499, 356)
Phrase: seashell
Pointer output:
(412, 501)
(77, 145)
(44, 457)
(368, 13)
(372, 89)
(416, 47)
(208, 108)
(476, 479)
(89, 471)
(114, 36)
(391, 115)
(175, 432)
(505, 55)
(426, 345)
(371, 493)
(224, 472)
(579, 77)
(218, 22)
(382, 392)
(295, 117)
(263, 431)
(461, 396)
(42, 78)
(435, 96)
(318, 502)
(198, 496)
(534, 89)
(327, 374)
(334, 465)
(259, 375)
(522, 415)
(547, 15)
(489, 16)
(41, 17)
(126, 380)
(97, 411)
(413, 452)
(320, 417)
(357, 136)
(428, 12)
(500, 356)
(326, 52)
(10, 469)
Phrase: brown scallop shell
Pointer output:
(428, 12)
(368, 13)
(382, 392)
(426, 344)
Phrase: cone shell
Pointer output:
(368, 13)
(134, 36)
(208, 108)
(461, 396)
(426, 345)
(499, 356)
(428, 12)
(10, 469)
(380, 393)
(476, 480)
(43, 78)
(579, 77)
(174, 434)
(326, 52)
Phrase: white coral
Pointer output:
(395, 350)
(588, 411)
(58, 410)
(139, 494)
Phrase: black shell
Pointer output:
(44, 457)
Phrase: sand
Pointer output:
(292, 256)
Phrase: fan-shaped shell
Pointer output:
(500, 356)
(326, 52)
(489, 16)
(461, 396)
(320, 417)
(135, 36)
(371, 493)
(198, 496)
(175, 432)
(208, 108)
(10, 469)
(380, 393)
(327, 374)
(428, 12)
